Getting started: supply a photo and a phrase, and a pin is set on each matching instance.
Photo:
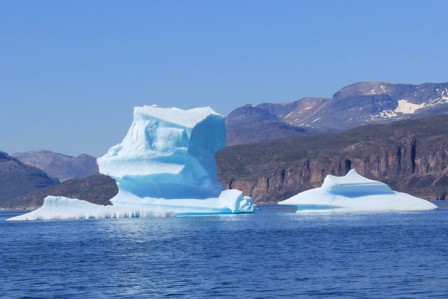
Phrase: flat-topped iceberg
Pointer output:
(355, 193)
(168, 153)
(167, 160)
(64, 208)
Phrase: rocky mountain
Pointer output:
(60, 166)
(409, 155)
(98, 189)
(250, 124)
(17, 179)
(353, 106)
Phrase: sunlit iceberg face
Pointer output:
(169, 154)
(355, 193)
(354, 185)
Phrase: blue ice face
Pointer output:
(164, 158)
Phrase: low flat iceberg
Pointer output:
(164, 165)
(64, 208)
(355, 193)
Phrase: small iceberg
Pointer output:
(64, 208)
(355, 193)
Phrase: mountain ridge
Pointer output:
(17, 178)
(97, 189)
(60, 166)
(352, 106)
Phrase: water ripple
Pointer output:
(269, 255)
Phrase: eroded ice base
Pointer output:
(228, 202)
(126, 205)
(63, 208)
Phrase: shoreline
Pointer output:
(259, 205)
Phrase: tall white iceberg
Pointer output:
(165, 166)
(167, 160)
(355, 193)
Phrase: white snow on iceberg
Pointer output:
(167, 160)
(63, 208)
(355, 193)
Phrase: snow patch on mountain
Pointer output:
(378, 90)
(405, 106)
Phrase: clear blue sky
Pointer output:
(72, 71)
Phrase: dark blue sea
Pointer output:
(273, 253)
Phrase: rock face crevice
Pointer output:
(410, 156)
(413, 153)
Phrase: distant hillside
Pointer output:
(409, 155)
(97, 189)
(18, 179)
(60, 166)
(250, 124)
(353, 106)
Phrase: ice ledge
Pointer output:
(353, 184)
(229, 202)
(127, 205)
(64, 208)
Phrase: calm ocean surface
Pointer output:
(273, 253)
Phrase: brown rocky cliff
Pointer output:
(410, 156)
